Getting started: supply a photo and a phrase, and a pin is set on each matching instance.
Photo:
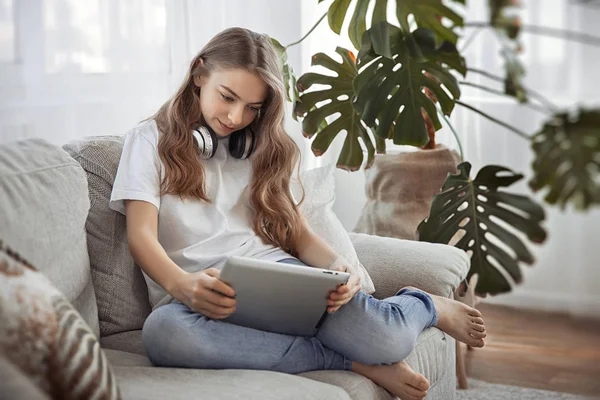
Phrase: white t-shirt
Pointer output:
(196, 235)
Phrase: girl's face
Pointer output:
(230, 99)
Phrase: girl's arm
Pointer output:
(201, 291)
(142, 236)
(314, 251)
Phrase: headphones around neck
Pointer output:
(241, 143)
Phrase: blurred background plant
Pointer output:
(406, 79)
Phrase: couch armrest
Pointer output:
(394, 263)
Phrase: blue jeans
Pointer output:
(365, 329)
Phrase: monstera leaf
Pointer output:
(289, 78)
(567, 160)
(427, 14)
(480, 212)
(315, 106)
(388, 89)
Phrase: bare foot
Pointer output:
(399, 379)
(460, 321)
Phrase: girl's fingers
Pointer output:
(339, 297)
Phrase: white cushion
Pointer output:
(319, 186)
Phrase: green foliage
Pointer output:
(289, 78)
(336, 98)
(388, 89)
(427, 14)
(567, 160)
(482, 213)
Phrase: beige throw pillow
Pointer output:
(46, 338)
(319, 186)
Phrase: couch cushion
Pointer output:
(120, 287)
(357, 386)
(319, 185)
(430, 357)
(44, 198)
(126, 359)
(126, 341)
(176, 383)
(394, 263)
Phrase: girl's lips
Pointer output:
(225, 127)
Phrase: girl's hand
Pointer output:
(203, 292)
(344, 293)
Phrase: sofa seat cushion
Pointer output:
(356, 385)
(177, 383)
(130, 342)
(430, 357)
(43, 208)
(126, 359)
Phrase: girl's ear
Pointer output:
(198, 81)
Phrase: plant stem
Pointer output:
(469, 40)
(460, 149)
(529, 92)
(545, 30)
(493, 119)
(501, 93)
(308, 33)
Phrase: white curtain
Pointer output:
(72, 68)
(566, 276)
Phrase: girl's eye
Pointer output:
(255, 109)
(226, 98)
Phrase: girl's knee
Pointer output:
(168, 343)
(153, 333)
(389, 348)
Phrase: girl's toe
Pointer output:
(478, 335)
(475, 313)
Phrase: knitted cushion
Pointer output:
(46, 338)
(121, 291)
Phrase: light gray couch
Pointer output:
(54, 211)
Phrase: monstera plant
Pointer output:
(407, 76)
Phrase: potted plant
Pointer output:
(404, 80)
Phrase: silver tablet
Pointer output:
(279, 297)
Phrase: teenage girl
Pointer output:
(208, 177)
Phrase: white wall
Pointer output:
(566, 276)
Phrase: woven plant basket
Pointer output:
(400, 188)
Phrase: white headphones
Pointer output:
(241, 143)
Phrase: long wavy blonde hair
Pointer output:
(275, 217)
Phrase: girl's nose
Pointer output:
(235, 116)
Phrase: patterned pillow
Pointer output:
(46, 338)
